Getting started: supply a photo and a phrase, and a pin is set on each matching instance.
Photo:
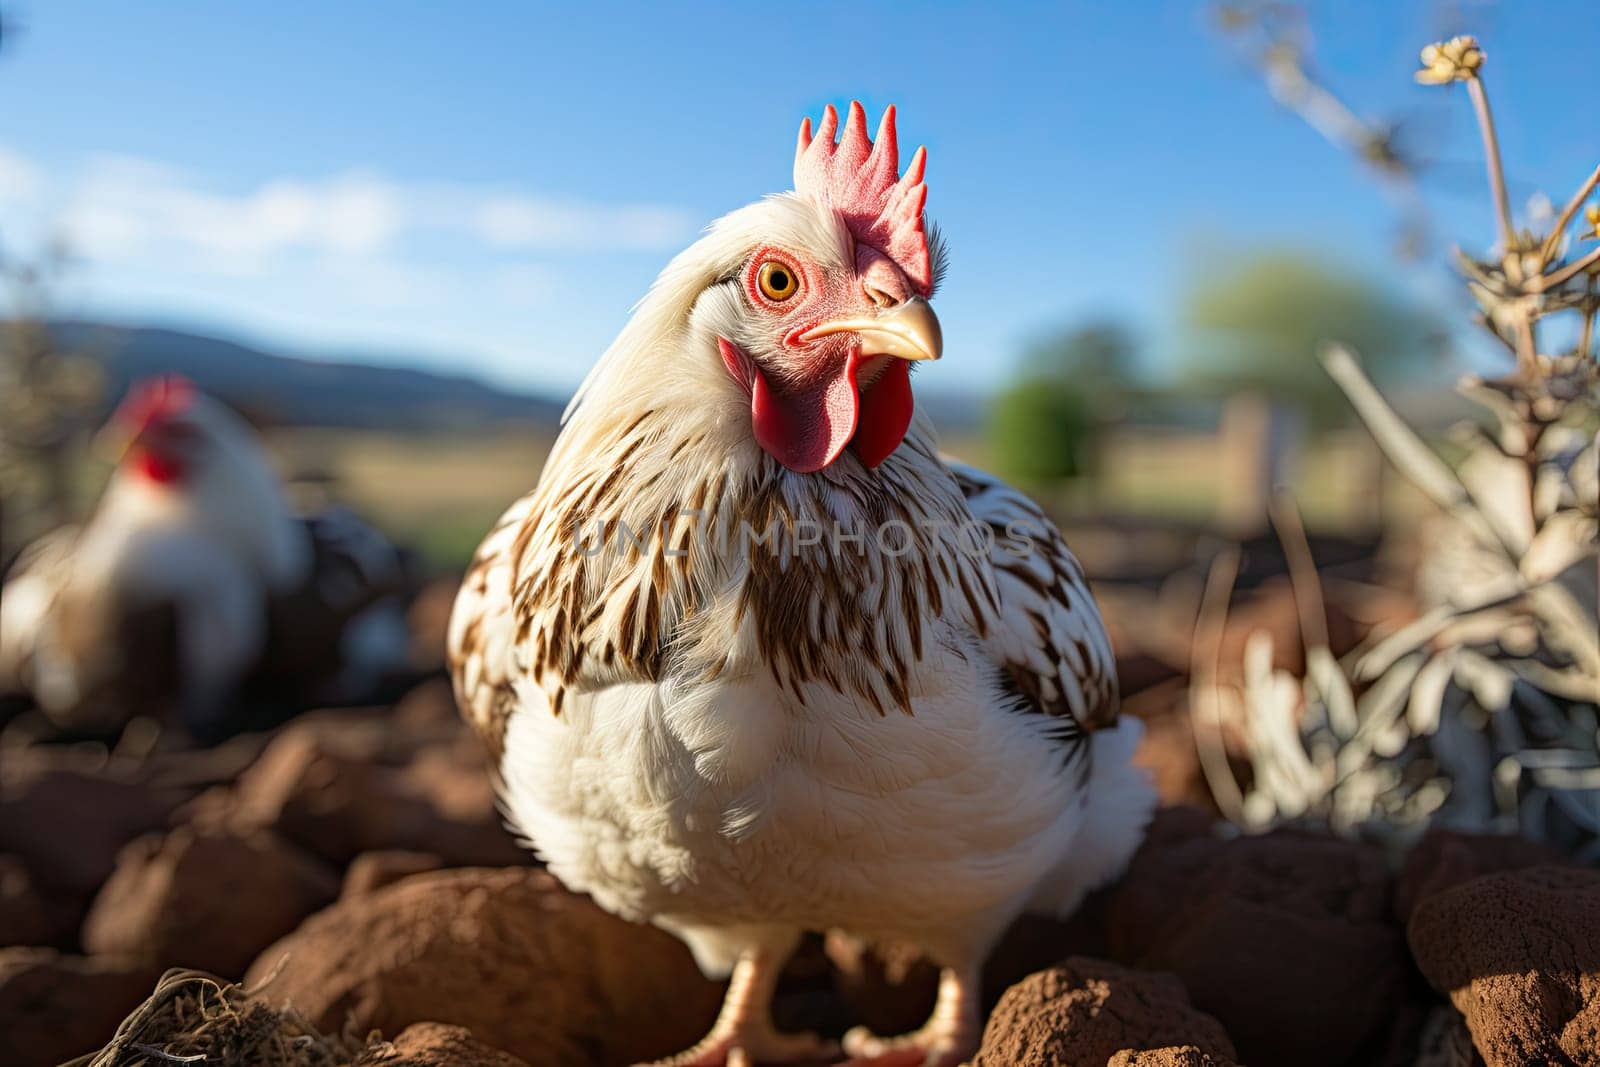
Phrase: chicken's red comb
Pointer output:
(860, 179)
(155, 398)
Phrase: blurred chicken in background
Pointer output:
(192, 579)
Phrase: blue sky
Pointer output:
(489, 187)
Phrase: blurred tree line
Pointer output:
(1251, 327)
(50, 397)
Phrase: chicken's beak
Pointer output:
(909, 330)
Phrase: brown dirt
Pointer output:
(28, 914)
(1292, 942)
(67, 818)
(333, 800)
(1266, 933)
(436, 1045)
(204, 898)
(1447, 858)
(525, 965)
(1171, 1056)
(1086, 1011)
(1518, 954)
(371, 871)
(54, 1006)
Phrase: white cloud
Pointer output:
(123, 208)
(353, 260)
(128, 207)
(20, 180)
(526, 222)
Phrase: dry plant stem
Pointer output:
(1546, 282)
(1205, 668)
(1285, 517)
(1563, 220)
(1527, 343)
(1586, 334)
(1405, 450)
(1491, 151)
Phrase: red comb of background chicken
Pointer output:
(860, 179)
(154, 399)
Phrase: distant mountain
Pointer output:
(286, 389)
(291, 390)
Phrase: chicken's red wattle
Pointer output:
(807, 428)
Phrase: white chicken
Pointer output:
(193, 533)
(755, 661)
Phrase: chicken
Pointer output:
(162, 595)
(754, 660)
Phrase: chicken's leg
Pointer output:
(743, 1032)
(948, 1037)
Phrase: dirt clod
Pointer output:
(205, 899)
(44, 806)
(1171, 1056)
(54, 1006)
(371, 871)
(1087, 1011)
(1446, 858)
(338, 804)
(435, 1045)
(528, 967)
(1267, 932)
(1518, 954)
(28, 914)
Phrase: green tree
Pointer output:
(1043, 427)
(1040, 430)
(1257, 323)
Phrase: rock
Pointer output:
(436, 1045)
(44, 807)
(371, 871)
(205, 899)
(338, 805)
(1446, 858)
(1171, 1056)
(29, 915)
(54, 1007)
(1518, 954)
(1267, 933)
(1087, 1011)
(528, 967)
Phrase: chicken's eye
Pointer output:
(777, 281)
